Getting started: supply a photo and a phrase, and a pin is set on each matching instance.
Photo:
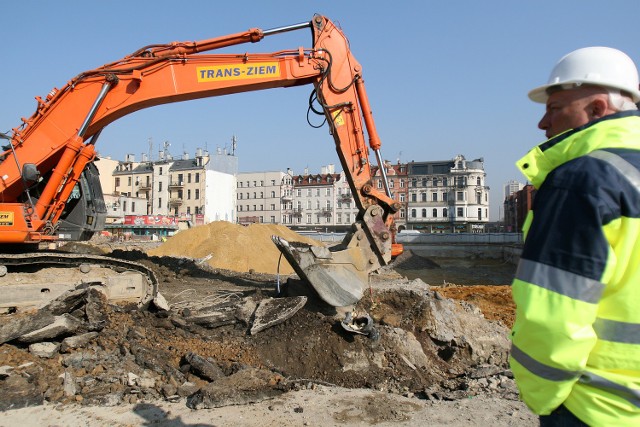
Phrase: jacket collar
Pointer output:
(574, 143)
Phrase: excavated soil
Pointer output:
(152, 355)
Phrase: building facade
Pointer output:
(448, 196)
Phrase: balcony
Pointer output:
(176, 184)
(326, 212)
(175, 202)
(146, 186)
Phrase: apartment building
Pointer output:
(259, 197)
(397, 179)
(448, 196)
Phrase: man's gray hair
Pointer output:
(619, 101)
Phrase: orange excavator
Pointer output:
(49, 186)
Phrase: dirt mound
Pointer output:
(233, 247)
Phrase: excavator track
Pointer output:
(31, 280)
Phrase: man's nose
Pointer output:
(543, 124)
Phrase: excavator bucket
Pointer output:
(339, 274)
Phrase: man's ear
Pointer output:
(598, 107)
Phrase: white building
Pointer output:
(448, 196)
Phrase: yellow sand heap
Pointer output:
(233, 247)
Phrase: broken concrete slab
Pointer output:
(203, 368)
(249, 385)
(17, 325)
(46, 350)
(77, 341)
(61, 325)
(273, 311)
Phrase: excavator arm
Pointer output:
(52, 148)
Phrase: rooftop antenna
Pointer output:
(234, 145)
(150, 148)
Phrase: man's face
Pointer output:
(566, 109)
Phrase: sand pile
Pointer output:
(233, 247)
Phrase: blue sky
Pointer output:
(443, 78)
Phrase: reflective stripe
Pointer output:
(630, 395)
(625, 168)
(540, 369)
(623, 332)
(560, 281)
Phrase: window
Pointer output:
(273, 207)
(240, 208)
(444, 212)
(424, 182)
(460, 196)
(423, 197)
(435, 213)
(129, 181)
(402, 213)
(402, 183)
(133, 207)
(197, 194)
(402, 197)
(308, 218)
(262, 194)
(424, 213)
(413, 213)
(189, 178)
(317, 192)
(160, 171)
(273, 182)
(444, 182)
(435, 182)
(160, 202)
(117, 182)
(339, 218)
(379, 183)
(328, 192)
(414, 197)
(239, 185)
(434, 197)
(414, 182)
(299, 192)
(328, 204)
(261, 183)
(197, 177)
(478, 181)
(444, 197)
(188, 194)
(460, 213)
(273, 194)
(479, 212)
(308, 192)
(391, 184)
(317, 204)
(273, 219)
(160, 186)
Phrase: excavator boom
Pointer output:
(49, 153)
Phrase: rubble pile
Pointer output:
(81, 349)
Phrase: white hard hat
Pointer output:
(601, 66)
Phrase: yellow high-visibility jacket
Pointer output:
(576, 338)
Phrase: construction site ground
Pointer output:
(139, 369)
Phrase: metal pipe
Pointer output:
(94, 108)
(287, 28)
(383, 172)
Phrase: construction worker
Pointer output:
(575, 351)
